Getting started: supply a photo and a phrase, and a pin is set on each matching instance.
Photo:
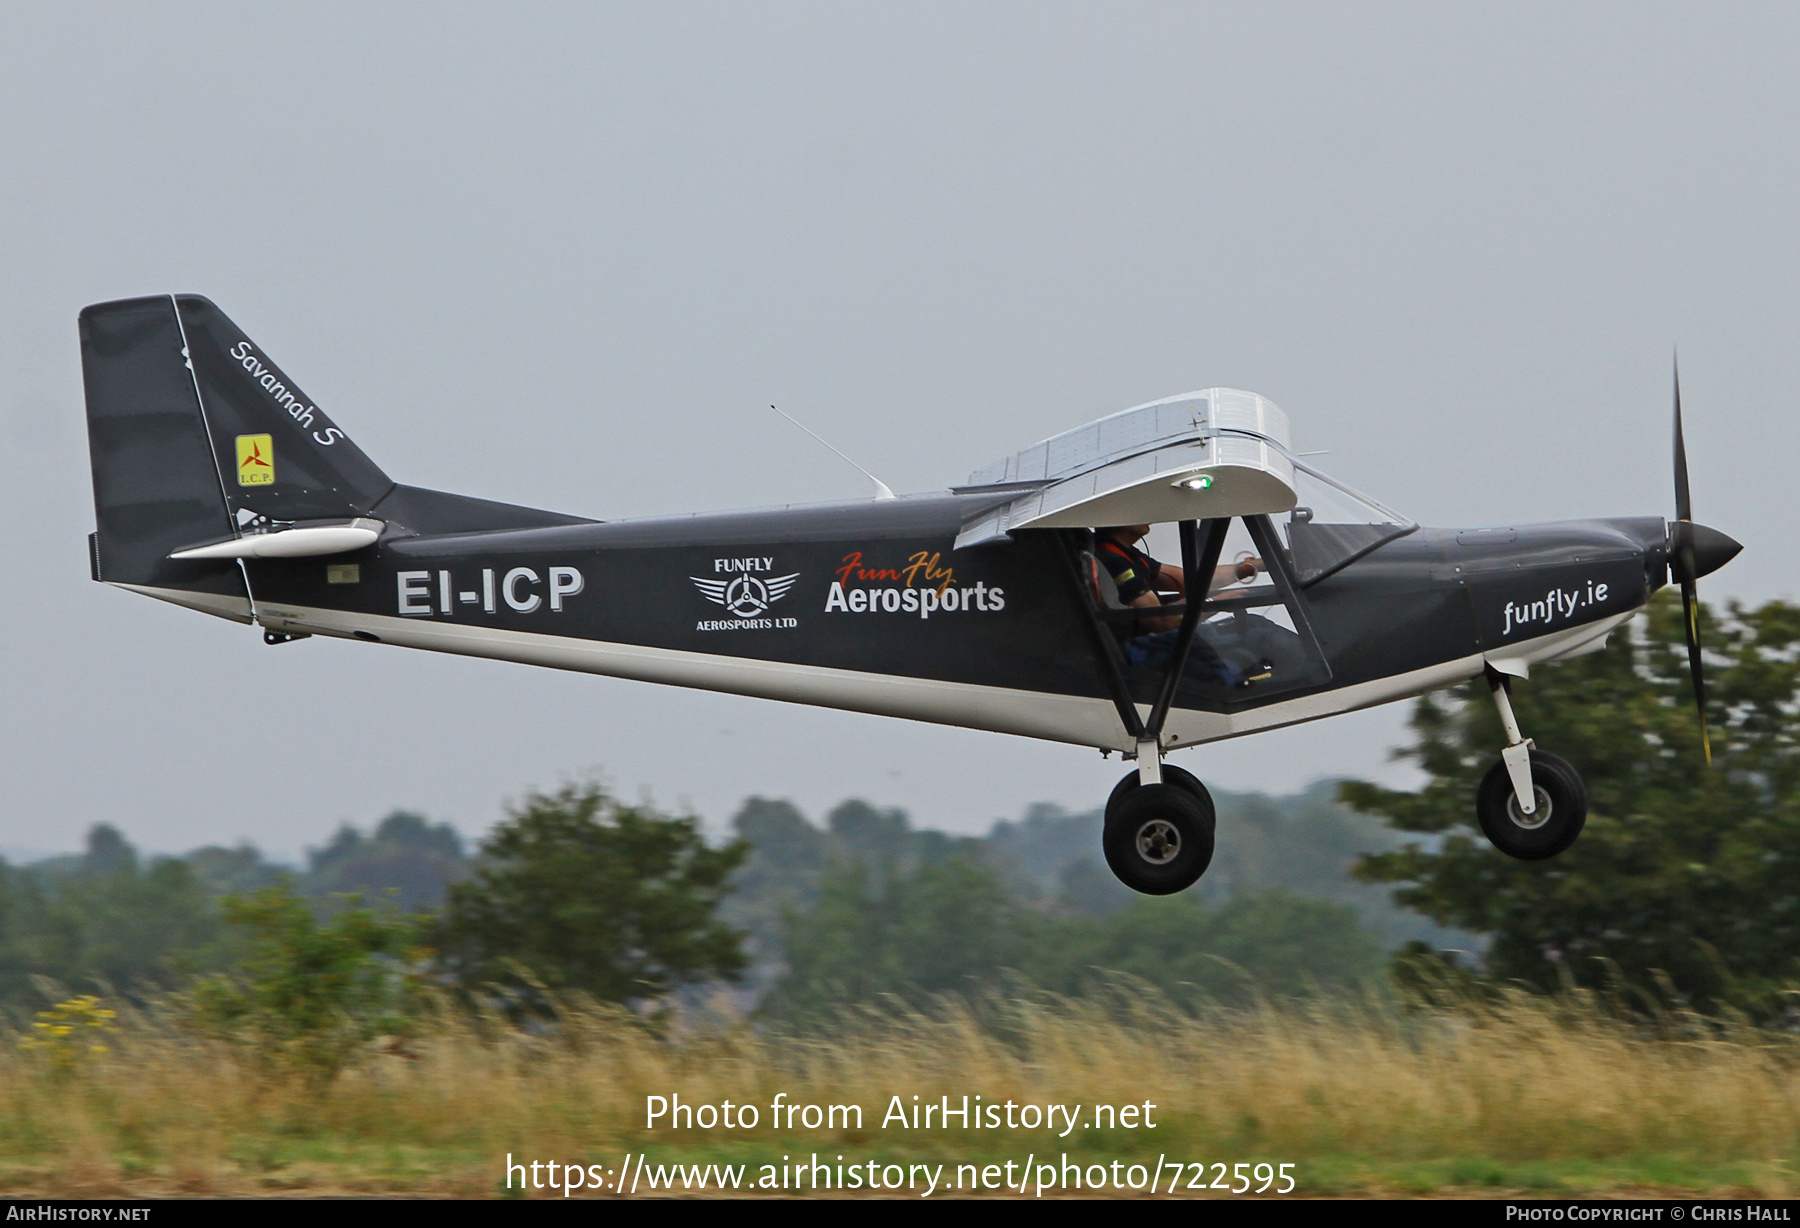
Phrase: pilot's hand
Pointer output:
(1247, 568)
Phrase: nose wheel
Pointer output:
(1158, 838)
(1531, 804)
(1556, 818)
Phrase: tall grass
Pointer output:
(1523, 1091)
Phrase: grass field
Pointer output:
(1527, 1096)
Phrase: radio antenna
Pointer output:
(881, 487)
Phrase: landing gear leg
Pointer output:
(1517, 755)
(1159, 820)
(1531, 804)
(1149, 761)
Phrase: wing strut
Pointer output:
(1197, 564)
(1111, 660)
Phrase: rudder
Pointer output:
(156, 486)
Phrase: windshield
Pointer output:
(1332, 526)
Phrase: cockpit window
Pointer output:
(1332, 526)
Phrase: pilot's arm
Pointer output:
(1152, 601)
(1244, 571)
(1139, 578)
(1149, 586)
(1171, 577)
(1223, 575)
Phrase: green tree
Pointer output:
(782, 868)
(577, 891)
(311, 994)
(102, 917)
(951, 925)
(869, 835)
(233, 871)
(405, 854)
(939, 927)
(35, 938)
(1683, 871)
(142, 928)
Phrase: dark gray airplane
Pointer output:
(1015, 603)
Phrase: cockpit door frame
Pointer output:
(1277, 564)
(1196, 566)
(1198, 562)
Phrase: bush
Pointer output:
(312, 994)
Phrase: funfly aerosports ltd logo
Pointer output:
(736, 585)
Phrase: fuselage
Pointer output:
(219, 485)
(866, 606)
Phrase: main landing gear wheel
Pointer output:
(1561, 809)
(1159, 838)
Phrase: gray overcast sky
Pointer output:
(567, 255)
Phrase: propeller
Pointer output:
(1694, 551)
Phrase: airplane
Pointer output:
(221, 487)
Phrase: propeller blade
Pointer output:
(1690, 610)
(1684, 509)
(1686, 567)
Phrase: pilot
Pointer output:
(1140, 580)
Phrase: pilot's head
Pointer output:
(1126, 533)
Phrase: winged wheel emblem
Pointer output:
(746, 596)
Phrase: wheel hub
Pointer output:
(1158, 842)
(1530, 822)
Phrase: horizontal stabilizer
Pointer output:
(300, 542)
(1219, 452)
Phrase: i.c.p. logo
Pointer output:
(255, 460)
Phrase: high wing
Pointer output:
(1197, 456)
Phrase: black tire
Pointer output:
(1171, 775)
(1561, 813)
(1159, 838)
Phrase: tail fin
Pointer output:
(194, 433)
